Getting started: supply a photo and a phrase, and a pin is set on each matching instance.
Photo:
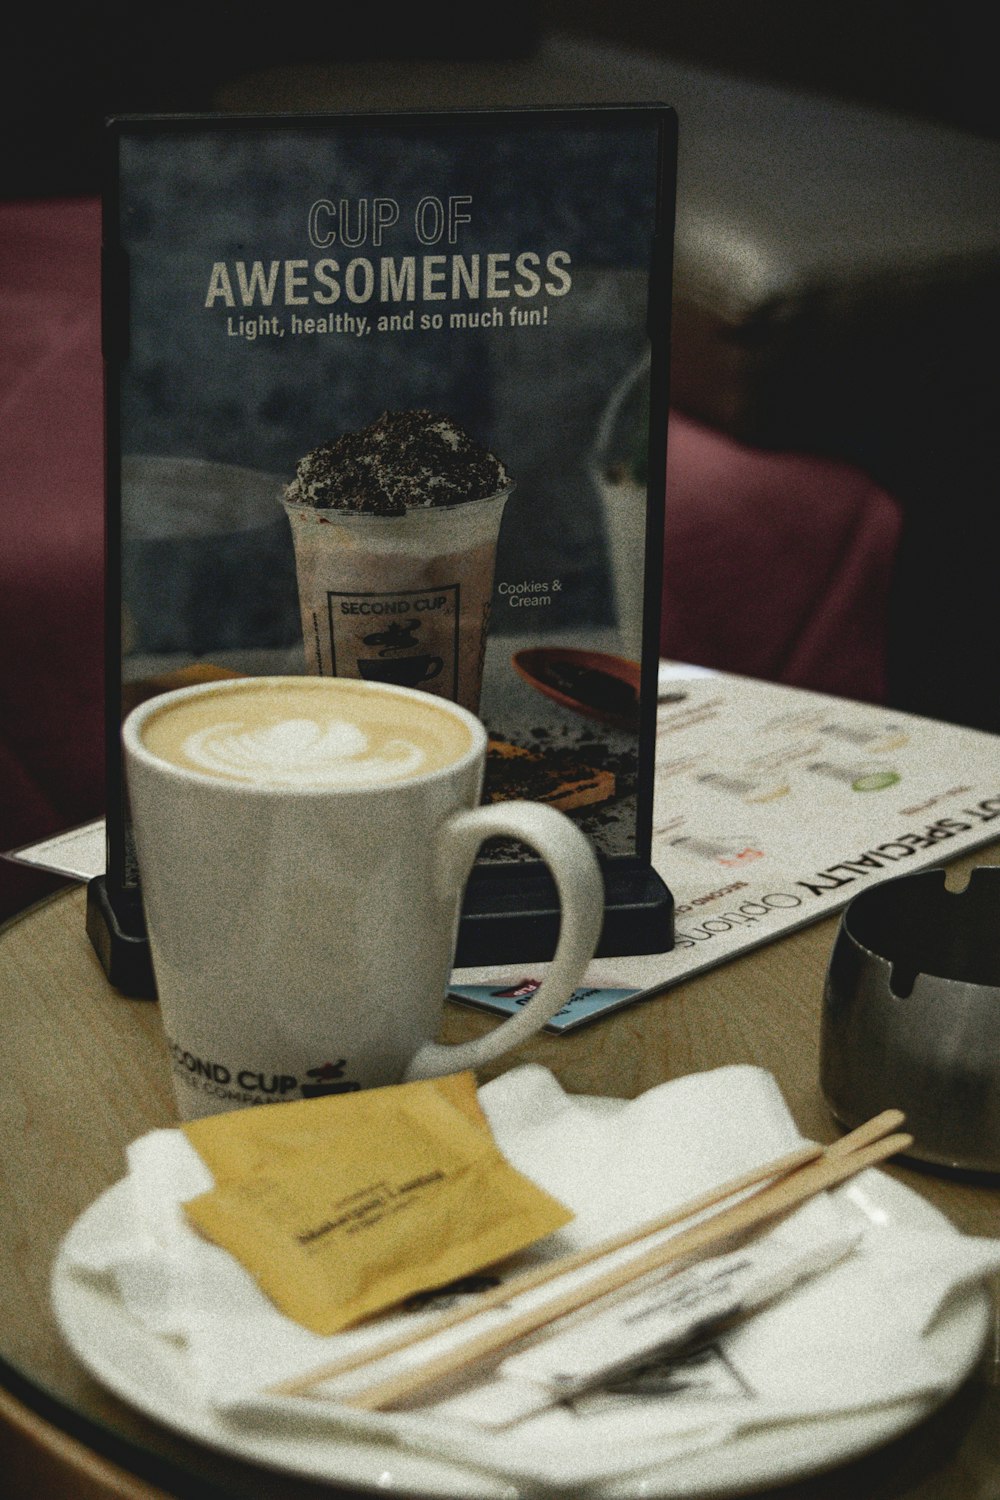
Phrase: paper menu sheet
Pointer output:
(793, 801)
(775, 806)
(79, 853)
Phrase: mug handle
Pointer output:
(574, 866)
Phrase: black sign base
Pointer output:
(503, 922)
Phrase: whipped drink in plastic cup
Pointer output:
(403, 599)
(395, 532)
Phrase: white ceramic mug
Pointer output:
(303, 846)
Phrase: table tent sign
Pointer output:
(315, 324)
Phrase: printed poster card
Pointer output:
(388, 399)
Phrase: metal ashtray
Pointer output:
(911, 1015)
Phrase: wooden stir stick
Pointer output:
(776, 1172)
(700, 1240)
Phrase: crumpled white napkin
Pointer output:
(849, 1340)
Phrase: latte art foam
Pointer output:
(303, 733)
(301, 752)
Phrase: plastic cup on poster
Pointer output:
(402, 599)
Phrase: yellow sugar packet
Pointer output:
(342, 1206)
(231, 1144)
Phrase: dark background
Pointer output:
(65, 70)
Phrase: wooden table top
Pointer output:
(85, 1072)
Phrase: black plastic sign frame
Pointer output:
(274, 282)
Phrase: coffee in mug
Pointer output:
(303, 846)
(292, 734)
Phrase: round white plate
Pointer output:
(149, 1373)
